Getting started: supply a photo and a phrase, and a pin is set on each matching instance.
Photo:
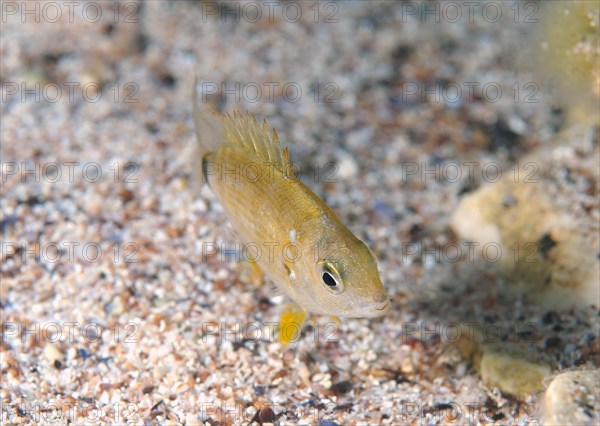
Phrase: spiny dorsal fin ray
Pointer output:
(248, 134)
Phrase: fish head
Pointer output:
(343, 280)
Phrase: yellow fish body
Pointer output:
(298, 241)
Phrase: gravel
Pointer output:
(116, 307)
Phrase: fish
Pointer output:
(300, 243)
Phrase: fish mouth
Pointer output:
(375, 309)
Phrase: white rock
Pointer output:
(572, 398)
(52, 353)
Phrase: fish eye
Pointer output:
(329, 280)
(330, 277)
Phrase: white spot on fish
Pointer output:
(293, 235)
(290, 272)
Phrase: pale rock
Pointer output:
(573, 398)
(543, 251)
(512, 373)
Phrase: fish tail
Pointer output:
(210, 133)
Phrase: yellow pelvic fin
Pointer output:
(290, 324)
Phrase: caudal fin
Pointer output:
(210, 134)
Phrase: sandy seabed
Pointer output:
(124, 294)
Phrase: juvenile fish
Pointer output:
(313, 257)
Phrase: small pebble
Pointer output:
(53, 354)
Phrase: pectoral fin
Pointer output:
(256, 274)
(290, 324)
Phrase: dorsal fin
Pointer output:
(248, 134)
(214, 130)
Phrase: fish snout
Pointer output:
(375, 309)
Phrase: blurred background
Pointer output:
(459, 140)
